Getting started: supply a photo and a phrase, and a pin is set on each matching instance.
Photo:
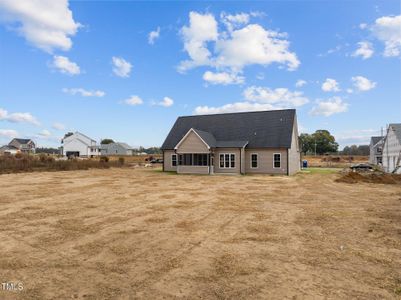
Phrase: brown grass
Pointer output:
(125, 233)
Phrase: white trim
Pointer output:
(273, 161)
(176, 160)
(185, 136)
(229, 161)
(257, 161)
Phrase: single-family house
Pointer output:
(376, 150)
(392, 149)
(79, 145)
(116, 149)
(23, 145)
(241, 143)
(10, 150)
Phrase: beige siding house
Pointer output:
(263, 142)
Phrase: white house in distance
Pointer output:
(79, 145)
(376, 150)
(392, 149)
(116, 149)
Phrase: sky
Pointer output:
(127, 69)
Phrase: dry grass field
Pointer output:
(143, 234)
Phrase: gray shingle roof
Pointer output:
(376, 139)
(207, 137)
(262, 129)
(22, 141)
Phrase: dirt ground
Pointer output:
(144, 234)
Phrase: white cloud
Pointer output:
(83, 92)
(201, 29)
(327, 108)
(153, 36)
(223, 78)
(365, 50)
(133, 100)
(281, 97)
(58, 126)
(257, 99)
(18, 117)
(363, 25)
(330, 85)
(121, 67)
(64, 65)
(300, 83)
(9, 133)
(235, 49)
(46, 24)
(362, 83)
(388, 30)
(44, 133)
(233, 107)
(356, 136)
(234, 21)
(166, 102)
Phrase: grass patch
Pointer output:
(320, 170)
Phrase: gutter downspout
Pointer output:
(288, 162)
(164, 161)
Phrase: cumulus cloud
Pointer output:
(9, 133)
(257, 99)
(65, 66)
(234, 21)
(330, 85)
(46, 24)
(133, 100)
(153, 36)
(201, 29)
(121, 67)
(330, 107)
(281, 97)
(363, 84)
(223, 78)
(233, 107)
(44, 133)
(18, 117)
(241, 45)
(166, 102)
(356, 136)
(365, 50)
(300, 83)
(83, 92)
(58, 126)
(388, 30)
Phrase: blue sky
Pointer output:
(127, 69)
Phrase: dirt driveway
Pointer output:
(144, 234)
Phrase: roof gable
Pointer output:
(263, 129)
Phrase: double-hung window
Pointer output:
(174, 160)
(254, 160)
(276, 160)
(227, 160)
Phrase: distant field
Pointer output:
(143, 234)
(334, 161)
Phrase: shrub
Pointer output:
(104, 159)
(121, 160)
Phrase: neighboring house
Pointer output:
(241, 143)
(376, 150)
(79, 145)
(116, 149)
(8, 150)
(392, 149)
(23, 145)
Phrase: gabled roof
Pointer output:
(22, 141)
(123, 145)
(8, 147)
(262, 129)
(376, 139)
(207, 137)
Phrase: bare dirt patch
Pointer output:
(144, 234)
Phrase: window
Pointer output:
(200, 159)
(254, 160)
(227, 160)
(276, 160)
(221, 160)
(174, 160)
(192, 159)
